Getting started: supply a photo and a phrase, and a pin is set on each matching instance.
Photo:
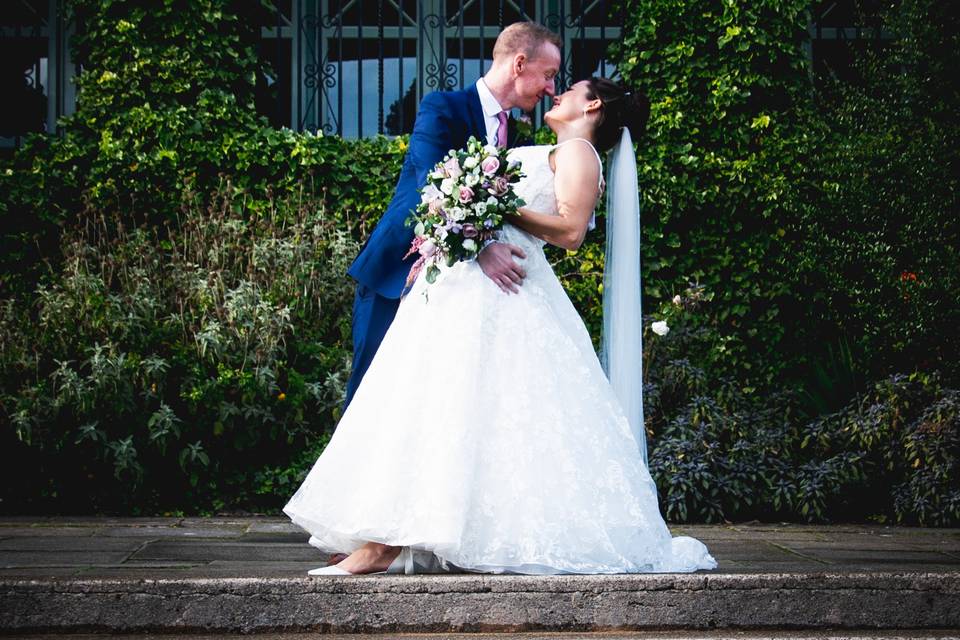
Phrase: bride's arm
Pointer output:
(575, 184)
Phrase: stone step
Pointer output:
(248, 576)
(912, 634)
(475, 603)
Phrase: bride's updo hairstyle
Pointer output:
(619, 108)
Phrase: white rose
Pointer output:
(492, 202)
(441, 233)
(472, 179)
(447, 186)
(491, 150)
(470, 162)
(430, 192)
(469, 244)
(660, 328)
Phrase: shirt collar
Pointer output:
(490, 105)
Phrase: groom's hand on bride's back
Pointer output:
(497, 262)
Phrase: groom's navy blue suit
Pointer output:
(445, 121)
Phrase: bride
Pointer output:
(485, 435)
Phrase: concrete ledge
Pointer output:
(484, 603)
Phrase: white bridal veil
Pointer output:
(621, 350)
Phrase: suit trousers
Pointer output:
(372, 315)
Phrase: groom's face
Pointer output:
(536, 76)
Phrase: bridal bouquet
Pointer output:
(463, 203)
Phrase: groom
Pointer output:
(526, 59)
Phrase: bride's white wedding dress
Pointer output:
(485, 432)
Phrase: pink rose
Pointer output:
(427, 249)
(466, 194)
(490, 165)
(500, 185)
(470, 231)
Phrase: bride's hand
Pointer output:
(497, 262)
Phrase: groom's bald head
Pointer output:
(523, 37)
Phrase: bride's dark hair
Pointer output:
(619, 108)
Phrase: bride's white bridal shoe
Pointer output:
(399, 565)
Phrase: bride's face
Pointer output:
(570, 105)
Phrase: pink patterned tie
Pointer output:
(502, 129)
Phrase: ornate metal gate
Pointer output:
(360, 68)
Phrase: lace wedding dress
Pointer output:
(486, 436)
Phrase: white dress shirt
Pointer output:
(490, 108)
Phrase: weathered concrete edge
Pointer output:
(485, 603)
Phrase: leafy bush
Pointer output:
(175, 312)
(165, 102)
(871, 222)
(890, 455)
(725, 80)
(183, 364)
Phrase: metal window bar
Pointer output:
(447, 39)
(317, 28)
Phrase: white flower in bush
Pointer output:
(660, 328)
(676, 300)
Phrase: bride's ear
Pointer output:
(592, 107)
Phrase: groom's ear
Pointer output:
(519, 62)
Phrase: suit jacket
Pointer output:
(445, 120)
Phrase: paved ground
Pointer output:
(273, 547)
(248, 575)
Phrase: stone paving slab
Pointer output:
(256, 546)
(171, 532)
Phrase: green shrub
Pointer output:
(871, 222)
(890, 455)
(175, 313)
(165, 102)
(725, 80)
(181, 365)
